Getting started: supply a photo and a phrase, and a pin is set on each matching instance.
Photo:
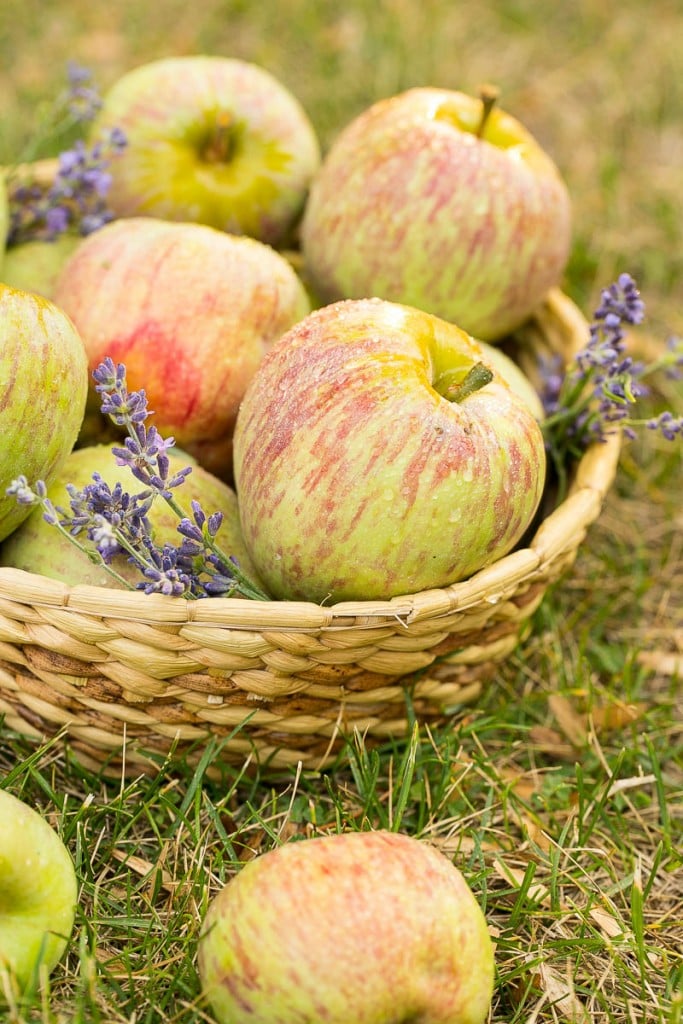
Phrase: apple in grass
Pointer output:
(376, 455)
(38, 894)
(442, 201)
(38, 547)
(211, 139)
(369, 927)
(190, 311)
(43, 388)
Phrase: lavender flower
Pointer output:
(76, 200)
(597, 394)
(115, 522)
(667, 425)
(82, 98)
(165, 575)
(125, 516)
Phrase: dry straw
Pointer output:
(129, 678)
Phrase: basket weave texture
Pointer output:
(130, 679)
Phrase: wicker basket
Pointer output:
(128, 678)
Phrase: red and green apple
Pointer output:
(210, 139)
(368, 927)
(376, 454)
(190, 311)
(442, 201)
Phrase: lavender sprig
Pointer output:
(115, 522)
(595, 397)
(76, 200)
(37, 495)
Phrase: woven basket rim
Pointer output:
(558, 533)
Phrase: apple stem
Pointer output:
(488, 94)
(476, 378)
(219, 147)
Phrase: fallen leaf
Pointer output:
(550, 741)
(561, 996)
(615, 716)
(573, 725)
(606, 923)
(666, 663)
(537, 892)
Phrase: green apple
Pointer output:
(498, 360)
(190, 311)
(355, 928)
(38, 547)
(367, 466)
(34, 266)
(210, 139)
(43, 388)
(442, 201)
(38, 893)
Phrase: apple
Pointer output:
(496, 359)
(38, 547)
(442, 201)
(189, 310)
(211, 139)
(368, 927)
(34, 266)
(363, 467)
(43, 388)
(38, 893)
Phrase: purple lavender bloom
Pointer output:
(77, 198)
(23, 492)
(83, 99)
(551, 372)
(165, 576)
(669, 426)
(620, 303)
(597, 395)
(116, 522)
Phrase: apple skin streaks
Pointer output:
(190, 311)
(411, 206)
(369, 927)
(358, 479)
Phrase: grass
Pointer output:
(560, 793)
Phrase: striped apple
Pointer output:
(43, 388)
(210, 139)
(434, 199)
(362, 927)
(190, 311)
(369, 463)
